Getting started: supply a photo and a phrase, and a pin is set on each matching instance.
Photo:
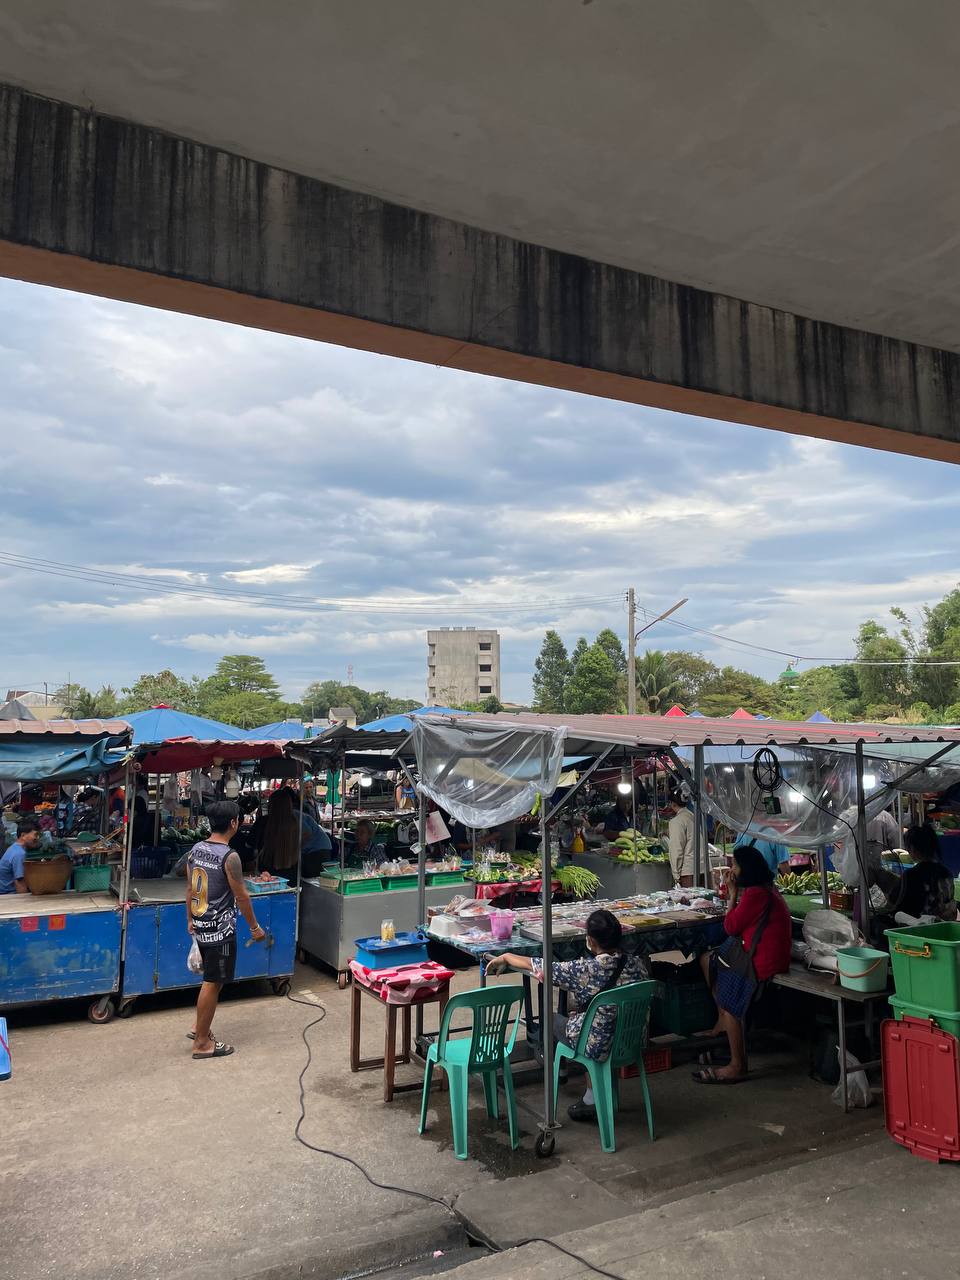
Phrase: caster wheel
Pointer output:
(126, 1009)
(342, 980)
(101, 1011)
(282, 988)
(545, 1145)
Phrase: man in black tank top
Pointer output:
(215, 889)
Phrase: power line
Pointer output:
(293, 602)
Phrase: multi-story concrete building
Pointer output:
(463, 665)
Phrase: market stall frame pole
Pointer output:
(633, 821)
(699, 830)
(296, 925)
(548, 1126)
(421, 884)
(156, 810)
(864, 911)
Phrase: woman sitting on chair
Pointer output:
(605, 967)
(758, 926)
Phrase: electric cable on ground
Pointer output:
(407, 1191)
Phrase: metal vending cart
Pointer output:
(156, 942)
(66, 945)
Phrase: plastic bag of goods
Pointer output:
(195, 959)
(825, 932)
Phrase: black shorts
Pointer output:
(219, 959)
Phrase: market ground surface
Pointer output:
(122, 1157)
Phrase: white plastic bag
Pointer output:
(195, 959)
(825, 932)
(859, 1093)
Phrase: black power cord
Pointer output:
(405, 1191)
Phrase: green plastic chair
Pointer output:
(632, 1001)
(484, 1053)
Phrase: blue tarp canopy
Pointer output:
(161, 724)
(404, 723)
(53, 761)
(819, 718)
(284, 731)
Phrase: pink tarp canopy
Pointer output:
(675, 712)
(740, 714)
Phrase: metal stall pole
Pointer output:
(655, 806)
(546, 1140)
(421, 884)
(699, 829)
(864, 912)
(343, 813)
(633, 823)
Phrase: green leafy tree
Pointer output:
(594, 686)
(492, 705)
(882, 684)
(732, 688)
(693, 672)
(817, 689)
(79, 703)
(611, 645)
(243, 673)
(163, 688)
(247, 709)
(551, 673)
(658, 686)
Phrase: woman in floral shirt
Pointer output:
(604, 967)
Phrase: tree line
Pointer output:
(903, 671)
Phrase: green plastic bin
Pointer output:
(949, 1022)
(91, 879)
(926, 965)
(682, 1008)
(863, 968)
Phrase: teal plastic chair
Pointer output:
(632, 1002)
(484, 1052)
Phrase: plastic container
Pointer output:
(682, 1009)
(91, 879)
(148, 863)
(501, 925)
(945, 1020)
(654, 1060)
(406, 948)
(921, 1089)
(863, 968)
(6, 1064)
(47, 875)
(926, 965)
(266, 886)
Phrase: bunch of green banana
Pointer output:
(634, 847)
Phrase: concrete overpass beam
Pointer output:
(113, 208)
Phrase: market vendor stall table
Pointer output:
(332, 916)
(59, 946)
(392, 996)
(825, 986)
(157, 941)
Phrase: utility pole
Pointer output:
(631, 652)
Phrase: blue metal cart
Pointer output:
(157, 943)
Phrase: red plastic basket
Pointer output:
(654, 1060)
(921, 1088)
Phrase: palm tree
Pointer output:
(658, 683)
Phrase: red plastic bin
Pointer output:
(653, 1060)
(921, 1088)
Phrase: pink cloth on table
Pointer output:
(404, 984)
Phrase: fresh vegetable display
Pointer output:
(807, 882)
(577, 880)
(634, 847)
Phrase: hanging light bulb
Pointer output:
(366, 780)
(869, 781)
(625, 785)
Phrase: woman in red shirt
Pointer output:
(754, 905)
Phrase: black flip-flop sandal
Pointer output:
(220, 1050)
(709, 1059)
(709, 1076)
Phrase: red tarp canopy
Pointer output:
(740, 714)
(675, 712)
(177, 755)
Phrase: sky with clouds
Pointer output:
(281, 473)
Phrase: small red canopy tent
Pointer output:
(674, 713)
(740, 714)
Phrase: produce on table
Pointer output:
(807, 882)
(634, 847)
(577, 880)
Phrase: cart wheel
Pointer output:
(126, 1008)
(101, 1011)
(281, 986)
(545, 1145)
(342, 980)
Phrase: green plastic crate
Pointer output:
(445, 877)
(682, 1009)
(91, 879)
(926, 965)
(949, 1022)
(350, 888)
(400, 882)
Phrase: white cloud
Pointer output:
(272, 573)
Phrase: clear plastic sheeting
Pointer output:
(485, 775)
(816, 802)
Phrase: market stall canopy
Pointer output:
(60, 750)
(359, 747)
(286, 731)
(675, 712)
(403, 722)
(15, 710)
(161, 724)
(179, 755)
(740, 714)
(819, 718)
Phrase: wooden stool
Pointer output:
(389, 1059)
